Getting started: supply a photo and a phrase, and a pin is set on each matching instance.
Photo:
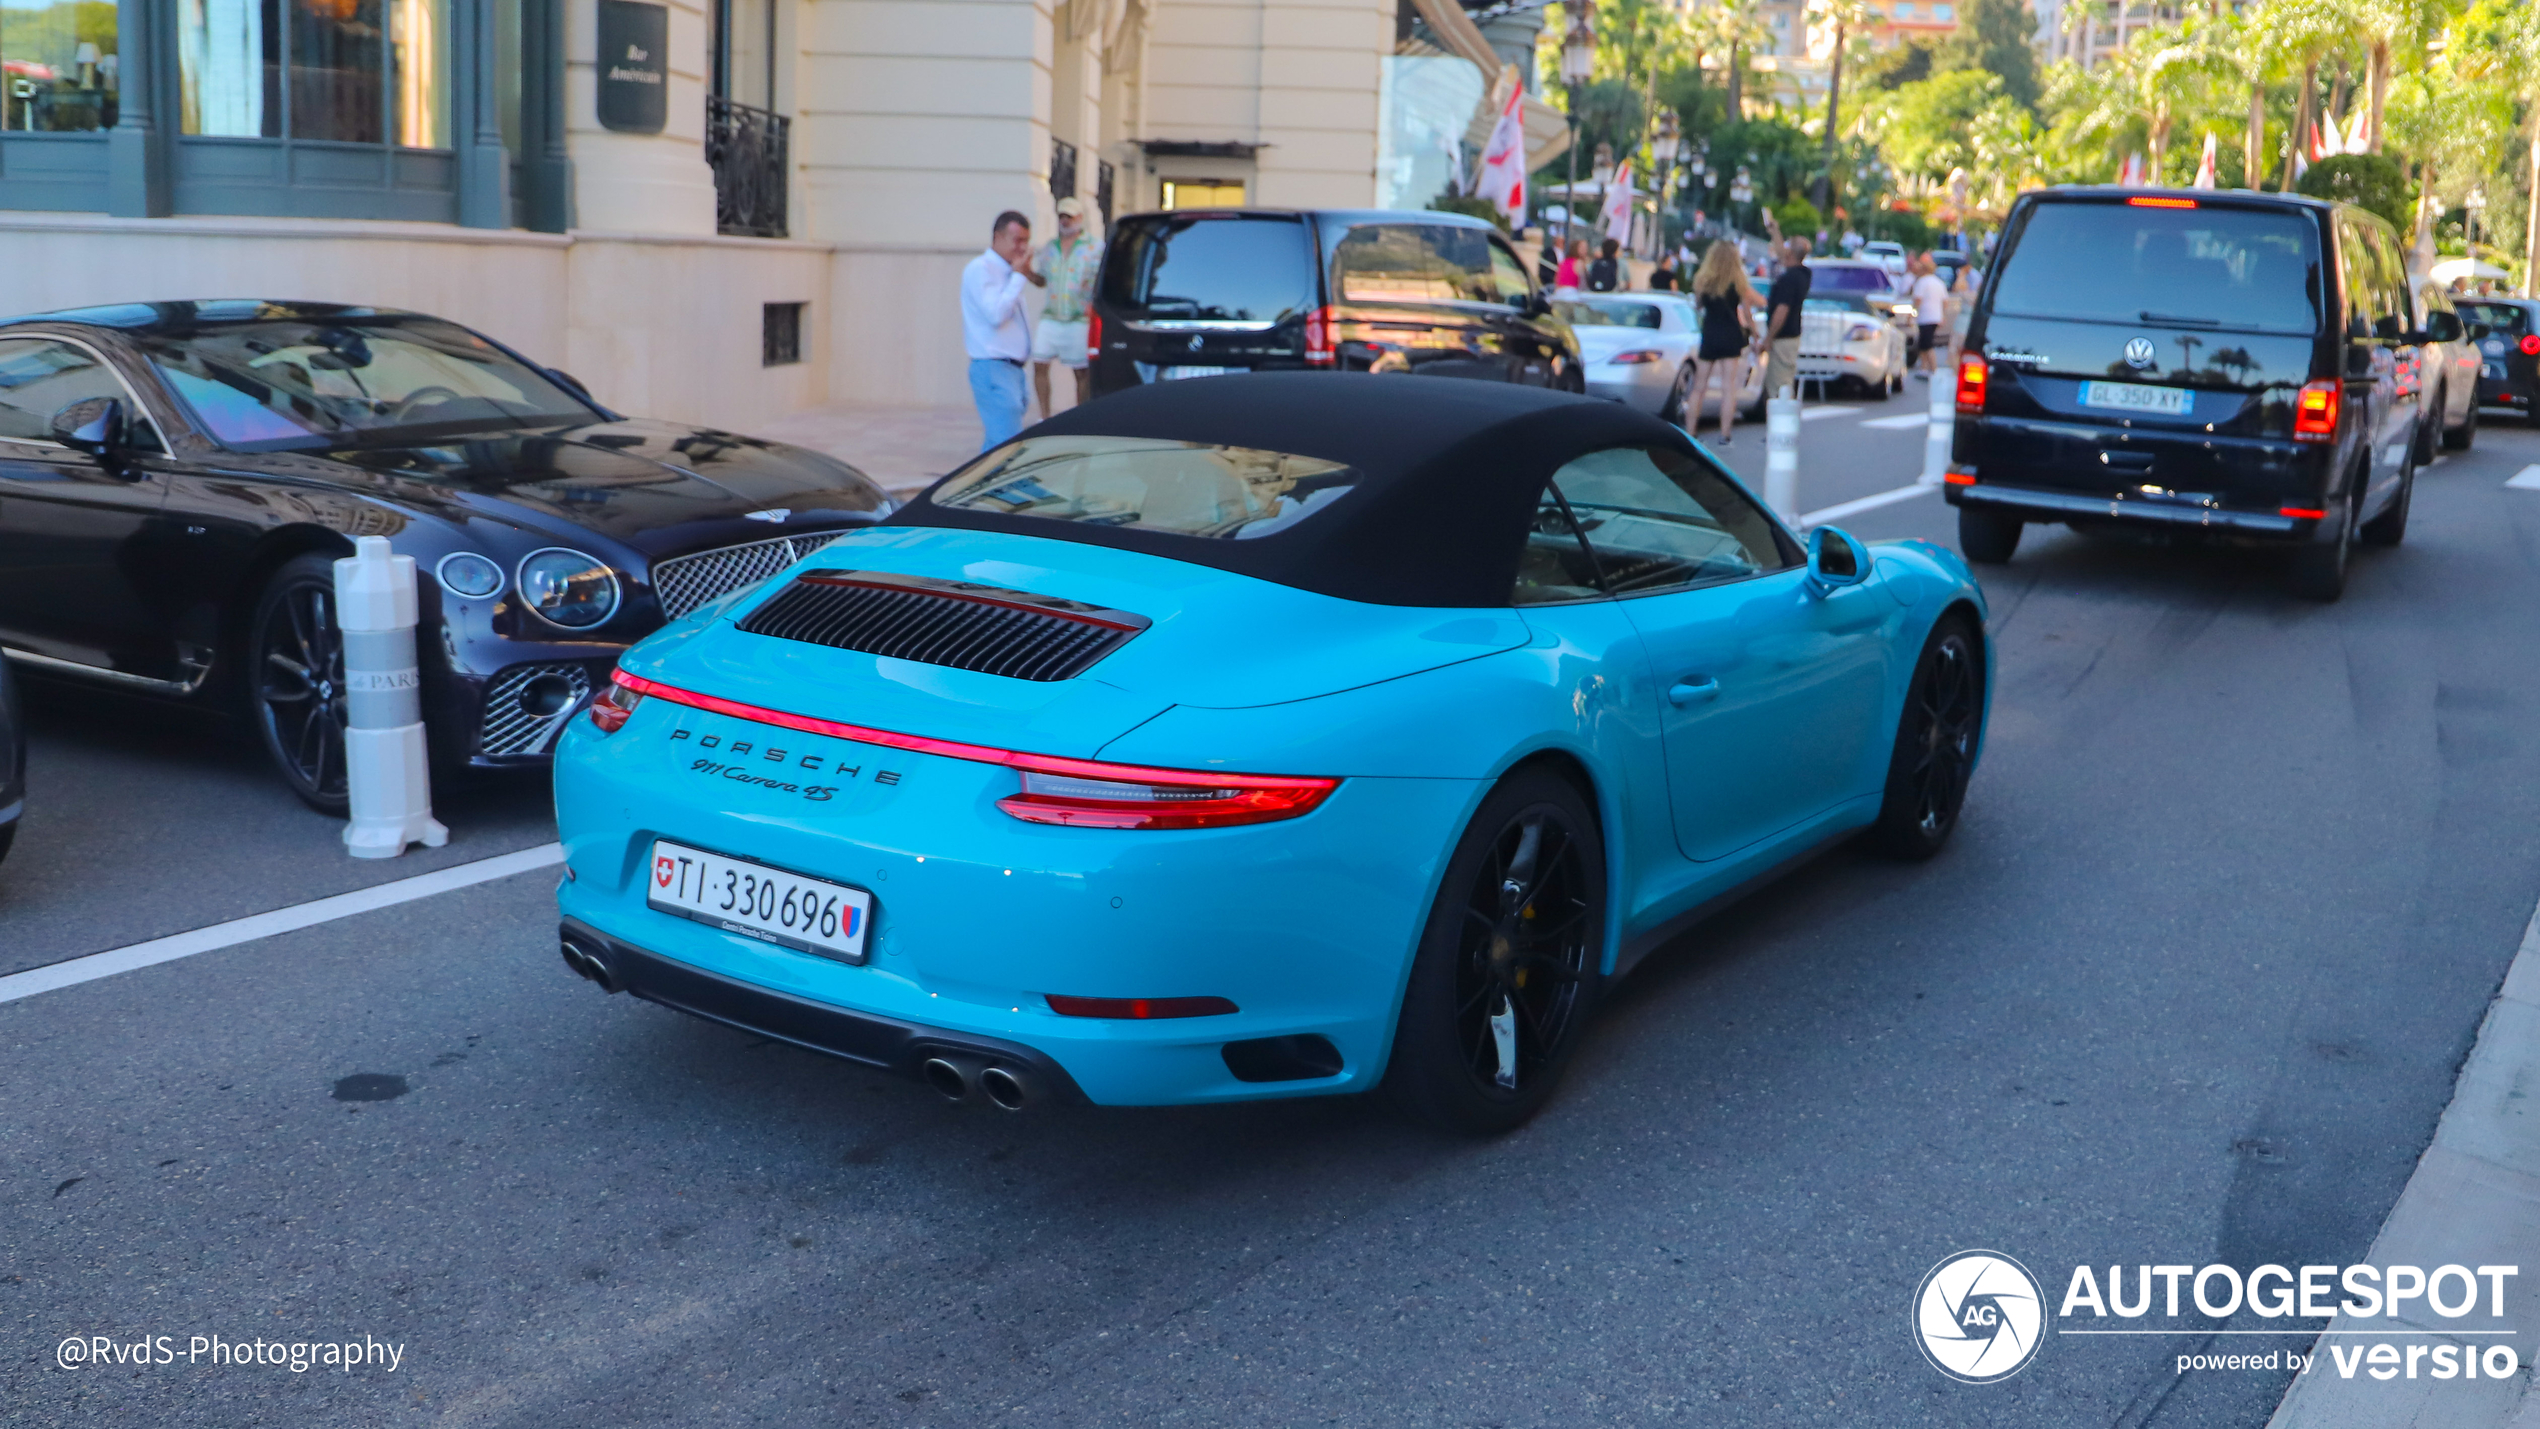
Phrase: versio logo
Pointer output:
(1979, 1316)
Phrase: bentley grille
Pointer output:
(526, 705)
(968, 627)
(685, 582)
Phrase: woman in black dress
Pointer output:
(1727, 303)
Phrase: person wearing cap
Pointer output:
(1070, 262)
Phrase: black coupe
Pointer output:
(176, 480)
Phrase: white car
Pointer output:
(1890, 256)
(1638, 349)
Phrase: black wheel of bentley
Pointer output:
(1935, 744)
(295, 681)
(1509, 966)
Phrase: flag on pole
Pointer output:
(2332, 142)
(1502, 179)
(2355, 140)
(1615, 216)
(2205, 165)
(2130, 174)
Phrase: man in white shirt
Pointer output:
(993, 329)
(1931, 306)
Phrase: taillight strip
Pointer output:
(976, 753)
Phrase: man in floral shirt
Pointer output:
(1070, 261)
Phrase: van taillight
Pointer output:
(1971, 381)
(2315, 412)
(1093, 336)
(2531, 345)
(1318, 338)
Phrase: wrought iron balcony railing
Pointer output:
(747, 150)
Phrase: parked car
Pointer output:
(1853, 341)
(2507, 334)
(1507, 687)
(177, 479)
(12, 760)
(1638, 349)
(2226, 365)
(1210, 292)
(2446, 374)
(1885, 254)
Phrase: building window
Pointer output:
(1062, 169)
(59, 71)
(1203, 193)
(780, 334)
(348, 71)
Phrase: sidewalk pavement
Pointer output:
(2474, 1200)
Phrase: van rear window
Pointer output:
(1210, 268)
(2210, 266)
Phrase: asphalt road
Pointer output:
(2236, 881)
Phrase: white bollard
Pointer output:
(383, 698)
(1944, 425)
(1781, 456)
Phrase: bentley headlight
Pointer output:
(469, 574)
(568, 588)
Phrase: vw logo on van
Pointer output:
(2138, 353)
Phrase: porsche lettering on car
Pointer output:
(1278, 735)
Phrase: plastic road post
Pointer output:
(1944, 425)
(383, 696)
(1781, 455)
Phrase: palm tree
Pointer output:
(1846, 16)
(2391, 28)
(1733, 28)
(2145, 84)
(2310, 32)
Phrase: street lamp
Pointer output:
(1662, 154)
(1578, 62)
(1743, 189)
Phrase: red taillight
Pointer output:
(1318, 339)
(2315, 411)
(2531, 345)
(612, 706)
(1641, 355)
(1093, 336)
(1139, 1008)
(2303, 513)
(1958, 476)
(1083, 792)
(1972, 377)
(1160, 799)
(2146, 201)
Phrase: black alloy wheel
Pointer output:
(1509, 966)
(2459, 439)
(295, 682)
(1987, 538)
(1935, 744)
(1677, 394)
(2318, 571)
(2391, 526)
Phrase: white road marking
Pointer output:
(1898, 424)
(74, 971)
(2527, 479)
(1810, 414)
(1867, 503)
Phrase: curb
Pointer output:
(2474, 1199)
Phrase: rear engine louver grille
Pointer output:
(968, 627)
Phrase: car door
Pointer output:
(1767, 692)
(77, 579)
(2371, 375)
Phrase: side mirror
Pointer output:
(1835, 560)
(2441, 326)
(94, 426)
(2479, 330)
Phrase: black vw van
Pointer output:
(2239, 365)
(1203, 293)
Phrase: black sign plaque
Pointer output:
(634, 66)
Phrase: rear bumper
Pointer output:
(2033, 505)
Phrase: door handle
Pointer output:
(1693, 691)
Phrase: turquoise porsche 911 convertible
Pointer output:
(1259, 736)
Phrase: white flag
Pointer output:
(2205, 165)
(2332, 142)
(2355, 141)
(1502, 179)
(1616, 215)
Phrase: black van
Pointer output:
(1201, 293)
(2240, 365)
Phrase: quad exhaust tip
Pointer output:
(956, 1078)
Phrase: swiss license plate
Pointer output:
(1175, 374)
(2135, 397)
(757, 901)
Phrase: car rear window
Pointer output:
(2504, 318)
(1849, 280)
(1210, 268)
(1414, 263)
(1148, 484)
(1593, 312)
(2206, 266)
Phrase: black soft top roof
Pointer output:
(1450, 471)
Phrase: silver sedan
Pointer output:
(1638, 349)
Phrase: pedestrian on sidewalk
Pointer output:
(1565, 280)
(993, 329)
(1605, 275)
(1727, 302)
(1931, 307)
(1662, 279)
(1788, 299)
(1069, 262)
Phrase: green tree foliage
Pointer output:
(2371, 181)
(1609, 113)
(1903, 65)
(1799, 217)
(1927, 127)
(1993, 36)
